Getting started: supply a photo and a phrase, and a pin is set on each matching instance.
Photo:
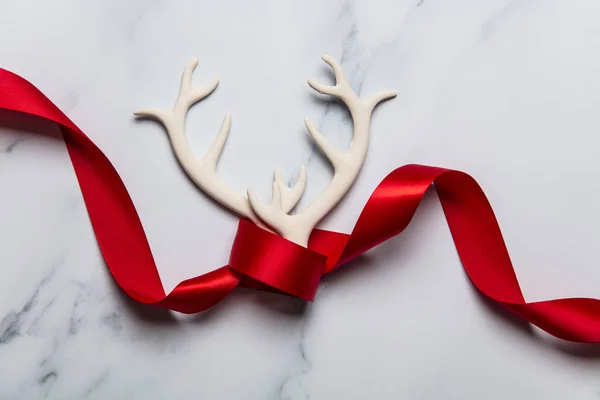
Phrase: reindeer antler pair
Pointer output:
(297, 227)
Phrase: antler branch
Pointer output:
(297, 228)
(203, 171)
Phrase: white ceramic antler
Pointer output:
(203, 171)
(297, 227)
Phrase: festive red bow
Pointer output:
(262, 260)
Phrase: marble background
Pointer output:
(508, 90)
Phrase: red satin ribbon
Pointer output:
(265, 261)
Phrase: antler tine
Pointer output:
(340, 79)
(272, 214)
(335, 156)
(203, 171)
(298, 227)
(290, 196)
(283, 199)
(195, 95)
(186, 97)
(211, 158)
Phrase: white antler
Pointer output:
(297, 227)
(203, 171)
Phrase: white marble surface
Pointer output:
(508, 90)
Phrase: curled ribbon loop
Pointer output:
(265, 261)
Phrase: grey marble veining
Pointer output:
(507, 90)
